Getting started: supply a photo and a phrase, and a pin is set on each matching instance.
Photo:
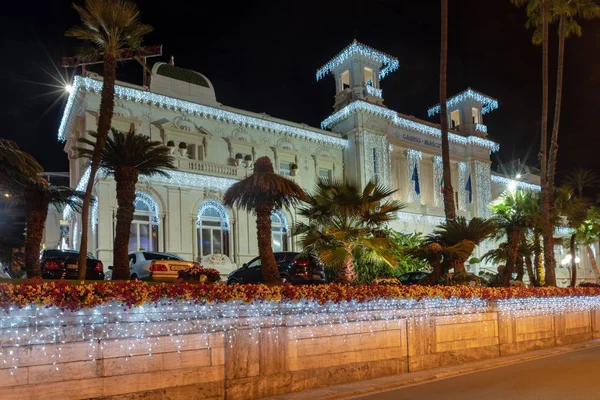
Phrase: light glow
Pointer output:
(517, 184)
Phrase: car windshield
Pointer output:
(54, 253)
(161, 256)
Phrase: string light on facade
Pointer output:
(218, 208)
(390, 64)
(462, 183)
(372, 91)
(284, 221)
(157, 100)
(438, 174)
(487, 103)
(144, 201)
(518, 184)
(414, 218)
(377, 162)
(483, 185)
(481, 128)
(395, 119)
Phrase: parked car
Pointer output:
(413, 278)
(292, 267)
(57, 264)
(155, 266)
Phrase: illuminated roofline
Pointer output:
(488, 103)
(390, 63)
(518, 184)
(406, 123)
(141, 96)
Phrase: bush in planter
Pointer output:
(170, 143)
(248, 157)
(196, 271)
(239, 156)
(294, 166)
(183, 145)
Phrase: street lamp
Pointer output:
(68, 88)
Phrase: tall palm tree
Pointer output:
(463, 236)
(127, 156)
(580, 179)
(589, 234)
(262, 192)
(567, 12)
(20, 175)
(449, 206)
(343, 218)
(541, 8)
(109, 27)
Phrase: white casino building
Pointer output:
(361, 140)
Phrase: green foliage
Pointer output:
(369, 268)
(347, 224)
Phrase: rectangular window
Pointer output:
(476, 115)
(345, 80)
(454, 118)
(369, 77)
(324, 173)
(284, 168)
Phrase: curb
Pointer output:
(353, 390)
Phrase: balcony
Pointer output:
(213, 169)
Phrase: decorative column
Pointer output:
(102, 211)
(413, 164)
(482, 188)
(462, 182)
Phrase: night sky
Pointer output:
(262, 56)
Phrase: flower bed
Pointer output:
(194, 273)
(67, 296)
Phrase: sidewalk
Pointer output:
(351, 390)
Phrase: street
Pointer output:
(568, 376)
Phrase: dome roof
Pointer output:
(181, 74)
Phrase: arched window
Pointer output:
(279, 231)
(144, 227)
(212, 229)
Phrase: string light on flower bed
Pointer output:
(133, 318)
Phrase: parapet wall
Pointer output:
(235, 351)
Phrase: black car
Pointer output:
(292, 267)
(57, 264)
(413, 278)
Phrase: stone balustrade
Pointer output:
(238, 351)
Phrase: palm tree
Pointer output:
(513, 218)
(449, 206)
(262, 192)
(589, 234)
(343, 219)
(567, 12)
(127, 156)
(458, 238)
(109, 27)
(20, 176)
(580, 179)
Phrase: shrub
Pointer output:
(196, 271)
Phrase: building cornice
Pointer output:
(81, 84)
(403, 122)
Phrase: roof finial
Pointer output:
(172, 62)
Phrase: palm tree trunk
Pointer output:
(548, 228)
(449, 207)
(539, 260)
(126, 178)
(36, 205)
(265, 247)
(514, 237)
(107, 102)
(557, 104)
(573, 263)
(347, 273)
(593, 261)
(530, 274)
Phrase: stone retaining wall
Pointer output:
(132, 355)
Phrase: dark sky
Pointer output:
(262, 56)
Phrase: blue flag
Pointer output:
(469, 189)
(415, 177)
